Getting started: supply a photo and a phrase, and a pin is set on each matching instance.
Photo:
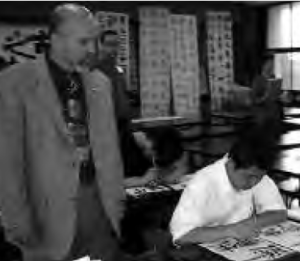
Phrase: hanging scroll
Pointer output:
(220, 57)
(154, 62)
(185, 65)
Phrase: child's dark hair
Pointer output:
(254, 148)
(167, 145)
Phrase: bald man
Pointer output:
(61, 172)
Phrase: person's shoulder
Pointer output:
(100, 77)
(266, 181)
(207, 173)
(211, 168)
(24, 68)
(266, 185)
(14, 69)
(18, 74)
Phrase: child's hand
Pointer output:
(151, 177)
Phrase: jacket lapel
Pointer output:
(103, 135)
(94, 97)
(50, 96)
(104, 141)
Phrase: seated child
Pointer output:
(167, 160)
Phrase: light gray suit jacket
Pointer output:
(38, 165)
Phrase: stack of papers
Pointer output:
(273, 243)
(86, 258)
(143, 190)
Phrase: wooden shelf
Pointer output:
(290, 193)
(294, 214)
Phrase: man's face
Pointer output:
(76, 40)
(110, 46)
(246, 178)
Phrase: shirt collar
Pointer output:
(224, 179)
(55, 67)
(61, 76)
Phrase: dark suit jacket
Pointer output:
(38, 164)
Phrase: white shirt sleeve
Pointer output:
(189, 212)
(267, 196)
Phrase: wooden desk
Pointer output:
(292, 112)
(292, 121)
(290, 140)
(280, 242)
(236, 116)
(289, 162)
(149, 209)
(136, 193)
(178, 122)
(198, 253)
(192, 253)
(162, 121)
(207, 132)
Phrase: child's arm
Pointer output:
(150, 175)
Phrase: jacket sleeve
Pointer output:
(14, 209)
(114, 177)
(124, 111)
(105, 138)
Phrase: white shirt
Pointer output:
(210, 200)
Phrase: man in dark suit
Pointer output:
(135, 164)
(108, 53)
(61, 189)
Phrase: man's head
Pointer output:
(72, 34)
(109, 41)
(249, 160)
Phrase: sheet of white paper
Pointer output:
(286, 234)
(86, 258)
(255, 249)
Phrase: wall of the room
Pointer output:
(248, 24)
